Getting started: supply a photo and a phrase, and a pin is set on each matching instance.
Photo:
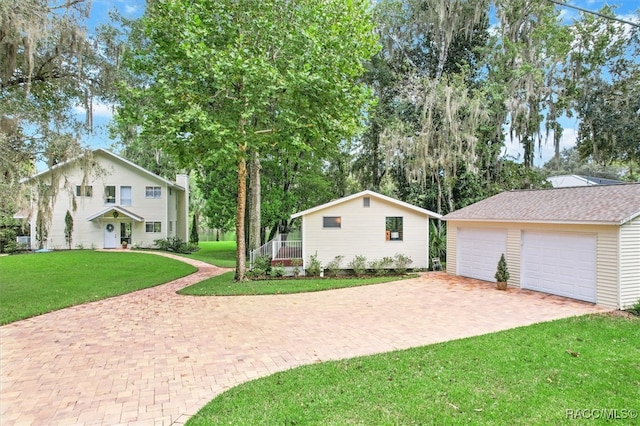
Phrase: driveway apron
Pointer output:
(154, 357)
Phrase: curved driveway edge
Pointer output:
(154, 357)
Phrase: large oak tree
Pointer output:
(227, 79)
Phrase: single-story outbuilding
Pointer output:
(366, 224)
(578, 242)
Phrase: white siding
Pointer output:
(607, 262)
(363, 232)
(90, 234)
(630, 263)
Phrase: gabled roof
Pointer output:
(371, 194)
(116, 157)
(599, 204)
(118, 209)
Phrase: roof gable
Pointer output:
(367, 193)
(604, 204)
(117, 158)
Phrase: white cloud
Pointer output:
(99, 110)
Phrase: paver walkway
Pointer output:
(155, 357)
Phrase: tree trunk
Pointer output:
(254, 202)
(240, 212)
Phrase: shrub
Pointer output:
(635, 308)
(176, 245)
(261, 267)
(335, 265)
(502, 273)
(380, 267)
(277, 271)
(314, 267)
(401, 263)
(296, 264)
(358, 264)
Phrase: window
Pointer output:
(84, 191)
(153, 226)
(109, 194)
(125, 232)
(394, 228)
(125, 195)
(331, 222)
(153, 192)
(366, 202)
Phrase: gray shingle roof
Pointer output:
(615, 204)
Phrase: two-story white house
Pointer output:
(111, 201)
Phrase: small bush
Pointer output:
(176, 245)
(296, 264)
(382, 266)
(314, 267)
(635, 308)
(335, 265)
(401, 263)
(359, 265)
(277, 271)
(261, 267)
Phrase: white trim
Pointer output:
(131, 215)
(370, 194)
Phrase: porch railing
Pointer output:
(280, 248)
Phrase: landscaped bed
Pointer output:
(548, 373)
(33, 284)
(224, 285)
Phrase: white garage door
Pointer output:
(560, 263)
(479, 251)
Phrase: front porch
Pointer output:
(281, 251)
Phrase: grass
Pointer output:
(523, 376)
(219, 253)
(33, 284)
(223, 285)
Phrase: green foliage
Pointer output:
(193, 234)
(381, 266)
(358, 264)
(334, 266)
(438, 240)
(277, 271)
(33, 284)
(401, 263)
(68, 229)
(502, 273)
(635, 308)
(261, 267)
(314, 266)
(224, 285)
(528, 374)
(176, 245)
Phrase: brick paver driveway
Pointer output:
(154, 357)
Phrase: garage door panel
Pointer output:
(479, 251)
(560, 263)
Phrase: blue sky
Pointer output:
(625, 9)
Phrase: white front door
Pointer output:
(110, 234)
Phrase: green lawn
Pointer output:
(524, 376)
(32, 284)
(223, 285)
(219, 253)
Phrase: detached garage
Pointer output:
(580, 242)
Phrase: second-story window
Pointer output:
(109, 194)
(153, 192)
(84, 191)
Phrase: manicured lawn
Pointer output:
(32, 284)
(219, 253)
(523, 376)
(223, 285)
